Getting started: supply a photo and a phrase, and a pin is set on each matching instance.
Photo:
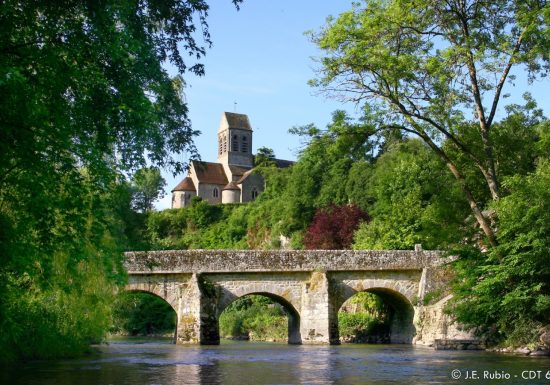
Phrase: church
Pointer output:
(231, 179)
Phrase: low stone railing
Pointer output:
(209, 261)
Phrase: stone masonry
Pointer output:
(310, 285)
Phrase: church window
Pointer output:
(182, 200)
(254, 193)
(224, 143)
(235, 143)
(244, 144)
(220, 144)
(215, 193)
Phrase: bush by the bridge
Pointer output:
(142, 314)
(255, 317)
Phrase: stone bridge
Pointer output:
(310, 285)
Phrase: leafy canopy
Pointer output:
(85, 99)
(433, 67)
(148, 186)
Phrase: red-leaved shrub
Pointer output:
(332, 227)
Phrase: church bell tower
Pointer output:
(235, 140)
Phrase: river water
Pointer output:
(240, 363)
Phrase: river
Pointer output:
(132, 362)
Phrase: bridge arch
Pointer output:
(401, 327)
(149, 314)
(153, 289)
(293, 316)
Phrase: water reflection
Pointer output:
(256, 363)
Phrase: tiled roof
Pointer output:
(211, 173)
(238, 170)
(185, 185)
(245, 175)
(281, 163)
(237, 121)
(231, 186)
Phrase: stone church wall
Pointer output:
(251, 183)
(206, 192)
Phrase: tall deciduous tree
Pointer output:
(431, 68)
(148, 186)
(84, 97)
(264, 157)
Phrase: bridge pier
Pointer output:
(318, 324)
(188, 312)
(197, 321)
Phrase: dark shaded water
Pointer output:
(159, 362)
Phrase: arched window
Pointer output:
(215, 193)
(254, 193)
(244, 144)
(224, 143)
(235, 143)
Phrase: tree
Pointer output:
(85, 98)
(412, 199)
(433, 68)
(319, 177)
(332, 227)
(148, 186)
(264, 157)
(506, 295)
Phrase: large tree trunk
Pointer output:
(481, 219)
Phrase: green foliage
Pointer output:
(439, 70)
(85, 100)
(321, 175)
(256, 315)
(412, 200)
(200, 226)
(265, 157)
(506, 292)
(142, 314)
(359, 325)
(148, 186)
(59, 266)
(364, 318)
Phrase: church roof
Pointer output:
(235, 120)
(185, 185)
(208, 172)
(231, 186)
(281, 163)
(238, 170)
(245, 175)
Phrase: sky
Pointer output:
(260, 59)
(259, 65)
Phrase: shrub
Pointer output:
(333, 227)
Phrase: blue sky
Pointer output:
(262, 60)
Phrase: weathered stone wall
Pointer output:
(432, 323)
(311, 285)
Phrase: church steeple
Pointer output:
(235, 140)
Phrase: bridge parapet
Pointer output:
(226, 261)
